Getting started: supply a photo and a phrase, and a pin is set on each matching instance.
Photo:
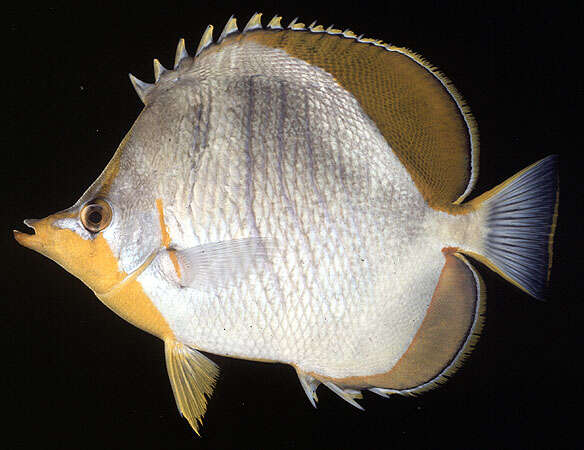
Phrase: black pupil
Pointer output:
(95, 217)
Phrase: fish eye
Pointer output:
(96, 215)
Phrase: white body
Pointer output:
(288, 155)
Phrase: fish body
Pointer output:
(297, 195)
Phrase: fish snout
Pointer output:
(35, 238)
(25, 238)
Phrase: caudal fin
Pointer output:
(521, 218)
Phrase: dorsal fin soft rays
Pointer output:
(415, 107)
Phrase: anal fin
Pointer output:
(349, 395)
(310, 384)
(384, 392)
(192, 377)
(445, 337)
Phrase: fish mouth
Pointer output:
(29, 237)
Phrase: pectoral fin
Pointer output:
(218, 264)
(192, 377)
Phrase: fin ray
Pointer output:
(521, 222)
(310, 385)
(192, 377)
(415, 107)
(349, 395)
(221, 263)
(438, 349)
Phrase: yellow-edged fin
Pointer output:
(520, 218)
(415, 107)
(441, 344)
(192, 377)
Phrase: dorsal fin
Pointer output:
(206, 40)
(180, 54)
(141, 88)
(414, 106)
(159, 69)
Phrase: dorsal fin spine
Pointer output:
(275, 23)
(230, 28)
(255, 23)
(295, 25)
(159, 69)
(181, 53)
(141, 88)
(206, 40)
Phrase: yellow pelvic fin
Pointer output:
(192, 377)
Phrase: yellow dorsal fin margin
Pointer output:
(192, 377)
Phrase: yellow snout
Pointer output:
(94, 263)
(90, 260)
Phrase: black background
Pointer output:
(74, 375)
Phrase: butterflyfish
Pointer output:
(296, 194)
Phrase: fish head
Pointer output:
(73, 238)
(108, 233)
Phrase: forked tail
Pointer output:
(521, 216)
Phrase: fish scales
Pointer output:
(296, 196)
(259, 169)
